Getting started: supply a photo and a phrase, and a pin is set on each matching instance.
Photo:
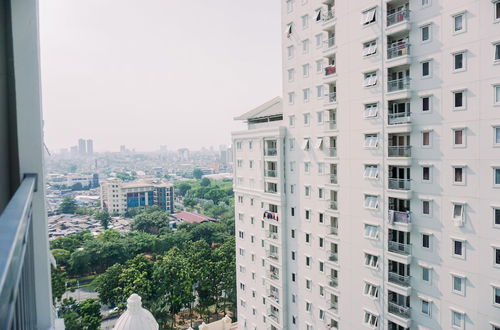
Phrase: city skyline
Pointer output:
(185, 80)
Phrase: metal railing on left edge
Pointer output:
(17, 280)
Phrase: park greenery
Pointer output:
(172, 270)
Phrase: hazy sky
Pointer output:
(149, 72)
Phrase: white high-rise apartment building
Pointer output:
(355, 212)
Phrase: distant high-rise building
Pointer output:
(82, 147)
(123, 148)
(90, 146)
(74, 150)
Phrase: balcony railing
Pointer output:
(334, 256)
(271, 190)
(333, 282)
(403, 280)
(333, 230)
(272, 255)
(333, 305)
(398, 84)
(272, 235)
(332, 151)
(398, 17)
(271, 173)
(17, 278)
(270, 215)
(330, 70)
(401, 248)
(274, 296)
(270, 152)
(332, 97)
(330, 42)
(333, 205)
(332, 123)
(399, 184)
(274, 316)
(333, 178)
(399, 310)
(399, 118)
(399, 151)
(329, 15)
(398, 49)
(273, 275)
(399, 216)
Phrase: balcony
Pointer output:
(332, 97)
(398, 49)
(399, 216)
(271, 173)
(331, 152)
(399, 151)
(399, 184)
(270, 152)
(402, 280)
(273, 275)
(330, 70)
(333, 230)
(328, 16)
(17, 277)
(272, 235)
(332, 178)
(333, 305)
(398, 84)
(398, 17)
(331, 124)
(270, 215)
(274, 295)
(333, 205)
(399, 310)
(333, 281)
(398, 118)
(330, 42)
(273, 255)
(401, 248)
(274, 316)
(333, 256)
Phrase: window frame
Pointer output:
(464, 61)
(463, 284)
(429, 33)
(462, 249)
(464, 100)
(463, 14)
(429, 69)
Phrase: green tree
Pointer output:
(108, 285)
(205, 182)
(103, 217)
(189, 202)
(183, 188)
(58, 279)
(68, 205)
(85, 315)
(197, 173)
(151, 222)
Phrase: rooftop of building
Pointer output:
(271, 109)
(191, 217)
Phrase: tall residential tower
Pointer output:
(370, 198)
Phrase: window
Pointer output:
(371, 171)
(426, 103)
(292, 212)
(458, 284)
(291, 97)
(371, 202)
(306, 92)
(459, 99)
(307, 191)
(319, 39)
(426, 307)
(371, 320)
(426, 274)
(457, 320)
(426, 173)
(319, 66)
(426, 69)
(497, 51)
(426, 241)
(458, 175)
(371, 140)
(320, 193)
(370, 79)
(496, 177)
(240, 163)
(308, 306)
(305, 21)
(308, 238)
(307, 167)
(369, 16)
(289, 5)
(308, 284)
(371, 110)
(459, 23)
(371, 290)
(290, 50)
(371, 231)
(293, 277)
(291, 143)
(305, 70)
(305, 46)
(308, 214)
(370, 48)
(308, 261)
(425, 3)
(497, 10)
(425, 32)
(320, 92)
(291, 122)
(321, 166)
(497, 94)
(371, 260)
(458, 248)
(291, 74)
(458, 214)
(459, 137)
(496, 218)
(496, 135)
(250, 163)
(426, 207)
(305, 144)
(426, 139)
(496, 296)
(459, 61)
(292, 166)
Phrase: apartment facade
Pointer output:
(388, 183)
(118, 196)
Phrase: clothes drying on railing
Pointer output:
(330, 70)
(270, 215)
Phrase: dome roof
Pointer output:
(136, 317)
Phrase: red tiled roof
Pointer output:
(191, 217)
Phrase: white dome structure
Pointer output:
(136, 317)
